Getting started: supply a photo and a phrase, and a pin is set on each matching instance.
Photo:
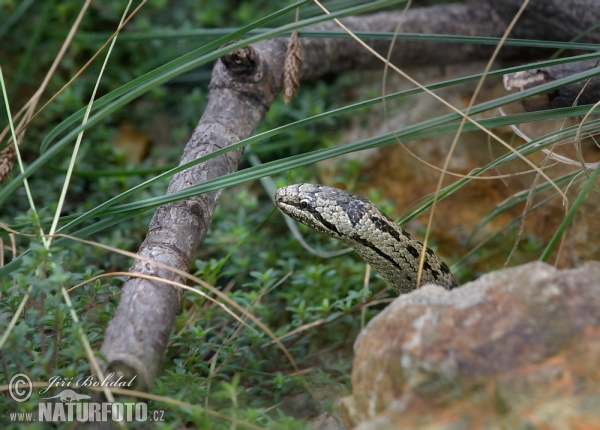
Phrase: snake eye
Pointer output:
(303, 204)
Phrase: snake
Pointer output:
(393, 252)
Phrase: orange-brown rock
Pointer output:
(518, 349)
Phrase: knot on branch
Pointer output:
(243, 63)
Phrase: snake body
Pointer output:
(356, 221)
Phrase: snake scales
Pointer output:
(354, 220)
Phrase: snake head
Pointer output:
(328, 210)
(392, 251)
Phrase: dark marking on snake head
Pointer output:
(413, 251)
(430, 252)
(323, 221)
(436, 274)
(355, 211)
(445, 269)
(383, 224)
(376, 222)
(378, 251)
(406, 234)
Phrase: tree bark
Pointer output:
(242, 88)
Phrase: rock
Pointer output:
(518, 349)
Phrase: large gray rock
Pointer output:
(518, 348)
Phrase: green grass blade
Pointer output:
(477, 248)
(403, 134)
(279, 166)
(8, 22)
(128, 92)
(519, 198)
(572, 211)
(319, 155)
(526, 149)
(209, 33)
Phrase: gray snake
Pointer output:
(379, 241)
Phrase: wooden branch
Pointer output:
(241, 89)
(243, 86)
(580, 93)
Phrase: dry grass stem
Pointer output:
(291, 66)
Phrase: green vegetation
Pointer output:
(156, 79)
